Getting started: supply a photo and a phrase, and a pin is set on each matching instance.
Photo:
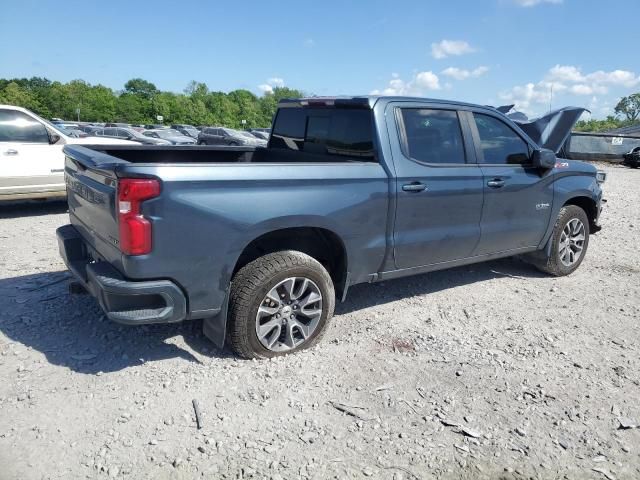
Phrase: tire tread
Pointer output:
(249, 279)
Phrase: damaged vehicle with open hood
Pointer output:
(260, 242)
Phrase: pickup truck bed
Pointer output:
(347, 191)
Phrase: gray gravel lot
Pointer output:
(487, 371)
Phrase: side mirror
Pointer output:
(544, 158)
(53, 138)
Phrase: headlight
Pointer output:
(601, 177)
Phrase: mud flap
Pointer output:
(215, 328)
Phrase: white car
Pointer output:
(31, 158)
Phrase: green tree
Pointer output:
(14, 94)
(629, 107)
(140, 102)
(143, 88)
(593, 125)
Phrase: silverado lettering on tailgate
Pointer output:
(84, 191)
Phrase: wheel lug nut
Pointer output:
(277, 315)
(291, 317)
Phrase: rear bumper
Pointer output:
(123, 301)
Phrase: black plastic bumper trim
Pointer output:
(123, 301)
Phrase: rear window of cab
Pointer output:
(341, 134)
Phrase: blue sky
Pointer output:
(483, 51)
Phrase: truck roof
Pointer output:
(367, 101)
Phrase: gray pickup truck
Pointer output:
(259, 242)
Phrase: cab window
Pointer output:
(18, 127)
(433, 136)
(500, 145)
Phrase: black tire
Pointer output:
(552, 263)
(201, 143)
(251, 284)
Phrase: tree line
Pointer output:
(141, 102)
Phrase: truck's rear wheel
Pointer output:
(569, 242)
(279, 303)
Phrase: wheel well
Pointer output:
(589, 206)
(322, 244)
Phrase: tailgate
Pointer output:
(91, 192)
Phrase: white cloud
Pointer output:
(568, 80)
(309, 42)
(427, 81)
(565, 73)
(447, 48)
(462, 74)
(276, 82)
(271, 83)
(417, 86)
(616, 77)
(584, 89)
(533, 3)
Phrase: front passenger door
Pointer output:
(517, 197)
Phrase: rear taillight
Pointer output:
(135, 230)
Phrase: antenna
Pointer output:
(551, 96)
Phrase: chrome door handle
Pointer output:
(11, 151)
(495, 183)
(414, 187)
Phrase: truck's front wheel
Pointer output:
(569, 242)
(279, 303)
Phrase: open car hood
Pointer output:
(548, 131)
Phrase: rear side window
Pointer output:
(327, 132)
(17, 127)
(499, 143)
(433, 136)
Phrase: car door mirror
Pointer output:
(53, 138)
(543, 158)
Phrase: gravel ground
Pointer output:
(487, 371)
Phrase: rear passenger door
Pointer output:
(517, 197)
(438, 183)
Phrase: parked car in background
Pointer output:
(31, 158)
(152, 126)
(228, 136)
(130, 134)
(89, 129)
(632, 158)
(188, 130)
(171, 135)
(259, 134)
(67, 125)
(116, 124)
(74, 132)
